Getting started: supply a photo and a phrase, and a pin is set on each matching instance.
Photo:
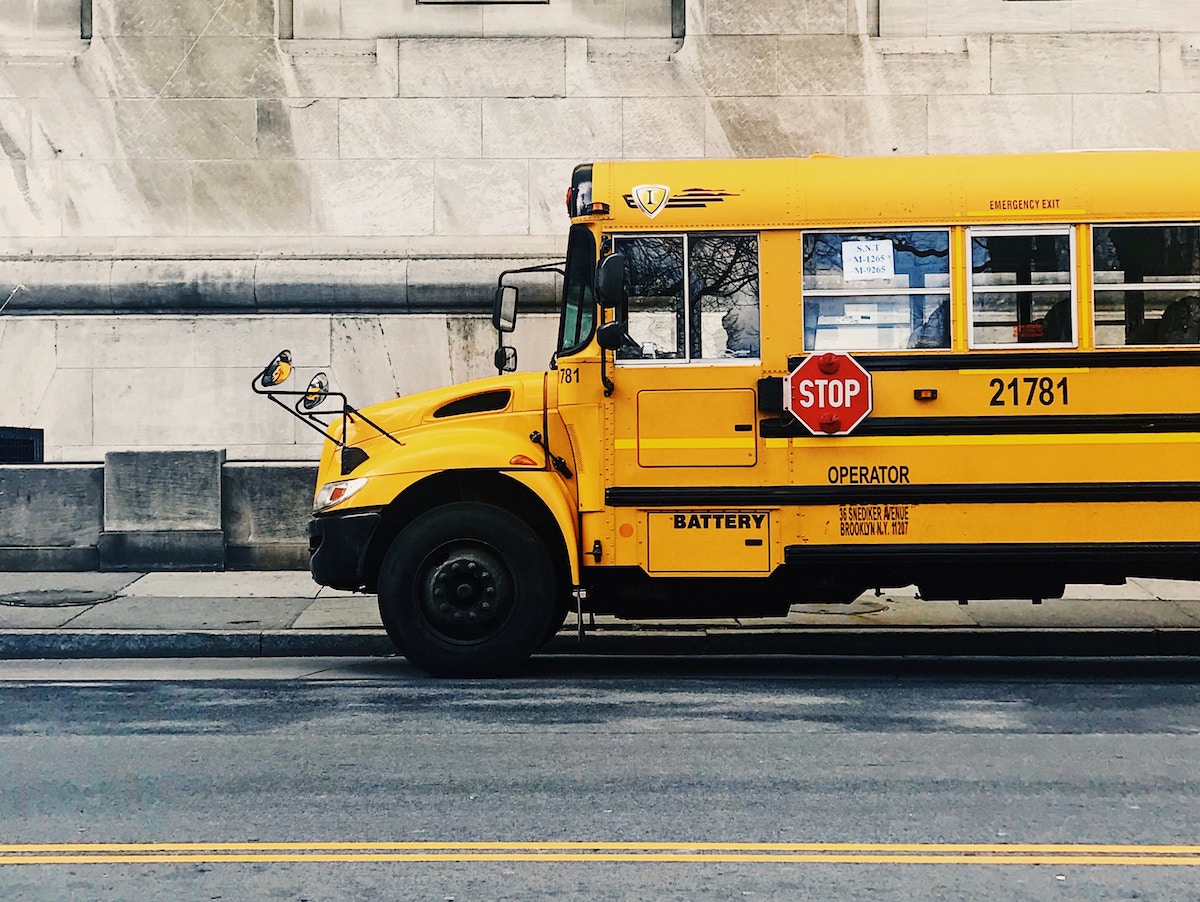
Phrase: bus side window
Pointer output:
(1021, 291)
(723, 292)
(886, 290)
(654, 280)
(1146, 285)
(714, 315)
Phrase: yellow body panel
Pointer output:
(909, 191)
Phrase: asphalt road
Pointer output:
(600, 779)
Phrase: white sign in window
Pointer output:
(866, 260)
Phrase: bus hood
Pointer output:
(511, 393)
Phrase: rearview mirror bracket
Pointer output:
(305, 409)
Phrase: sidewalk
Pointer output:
(283, 613)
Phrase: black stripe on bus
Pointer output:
(958, 493)
(1184, 553)
(1046, 424)
(1021, 360)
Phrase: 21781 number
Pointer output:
(1029, 391)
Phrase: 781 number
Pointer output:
(1029, 391)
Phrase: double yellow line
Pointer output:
(719, 852)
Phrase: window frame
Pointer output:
(990, 231)
(947, 293)
(614, 239)
(1099, 286)
(587, 300)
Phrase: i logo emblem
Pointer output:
(651, 199)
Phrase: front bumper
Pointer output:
(337, 547)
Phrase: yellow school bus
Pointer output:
(790, 380)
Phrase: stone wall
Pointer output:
(98, 384)
(201, 182)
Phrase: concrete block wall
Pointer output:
(51, 518)
(155, 510)
(202, 183)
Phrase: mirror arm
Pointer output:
(311, 419)
(609, 387)
(559, 268)
(348, 411)
(305, 419)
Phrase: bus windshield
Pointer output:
(579, 305)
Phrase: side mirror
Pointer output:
(504, 314)
(505, 359)
(611, 336)
(610, 281)
(317, 391)
(277, 371)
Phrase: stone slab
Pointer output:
(1050, 64)
(274, 556)
(1169, 589)
(551, 127)
(163, 490)
(663, 127)
(266, 504)
(260, 197)
(156, 613)
(27, 365)
(37, 618)
(1129, 591)
(49, 559)
(778, 17)
(51, 505)
(627, 69)
(885, 611)
(1089, 614)
(1000, 124)
(341, 612)
(457, 210)
(87, 585)
(1136, 120)
(472, 67)
(203, 407)
(373, 197)
(281, 584)
(177, 549)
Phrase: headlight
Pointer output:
(332, 493)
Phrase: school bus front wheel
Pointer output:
(468, 590)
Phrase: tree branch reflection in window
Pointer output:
(715, 315)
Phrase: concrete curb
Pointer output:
(76, 644)
(837, 642)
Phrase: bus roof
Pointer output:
(843, 192)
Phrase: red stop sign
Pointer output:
(829, 393)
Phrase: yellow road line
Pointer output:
(569, 845)
(656, 852)
(632, 857)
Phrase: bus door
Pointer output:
(684, 409)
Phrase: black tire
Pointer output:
(467, 590)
